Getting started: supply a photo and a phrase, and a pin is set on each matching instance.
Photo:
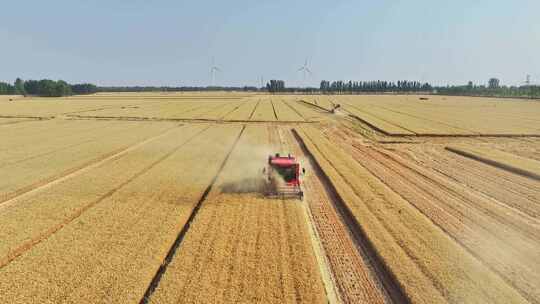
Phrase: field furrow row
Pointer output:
(115, 247)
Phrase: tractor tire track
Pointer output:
(254, 109)
(274, 109)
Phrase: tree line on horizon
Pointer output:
(373, 86)
(493, 88)
(46, 88)
(174, 89)
(59, 88)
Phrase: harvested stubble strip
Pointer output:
(264, 111)
(40, 170)
(111, 252)
(221, 111)
(206, 111)
(352, 274)
(421, 124)
(476, 115)
(242, 247)
(243, 112)
(306, 112)
(430, 266)
(389, 121)
(517, 192)
(385, 126)
(503, 160)
(284, 112)
(475, 221)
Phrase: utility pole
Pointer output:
(528, 84)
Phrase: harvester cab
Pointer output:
(282, 176)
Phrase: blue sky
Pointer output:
(172, 42)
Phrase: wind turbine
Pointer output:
(305, 69)
(213, 70)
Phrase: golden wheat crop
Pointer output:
(243, 247)
(430, 266)
(110, 252)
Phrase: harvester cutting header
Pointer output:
(282, 176)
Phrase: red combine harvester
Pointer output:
(283, 177)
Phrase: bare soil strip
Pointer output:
(170, 254)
